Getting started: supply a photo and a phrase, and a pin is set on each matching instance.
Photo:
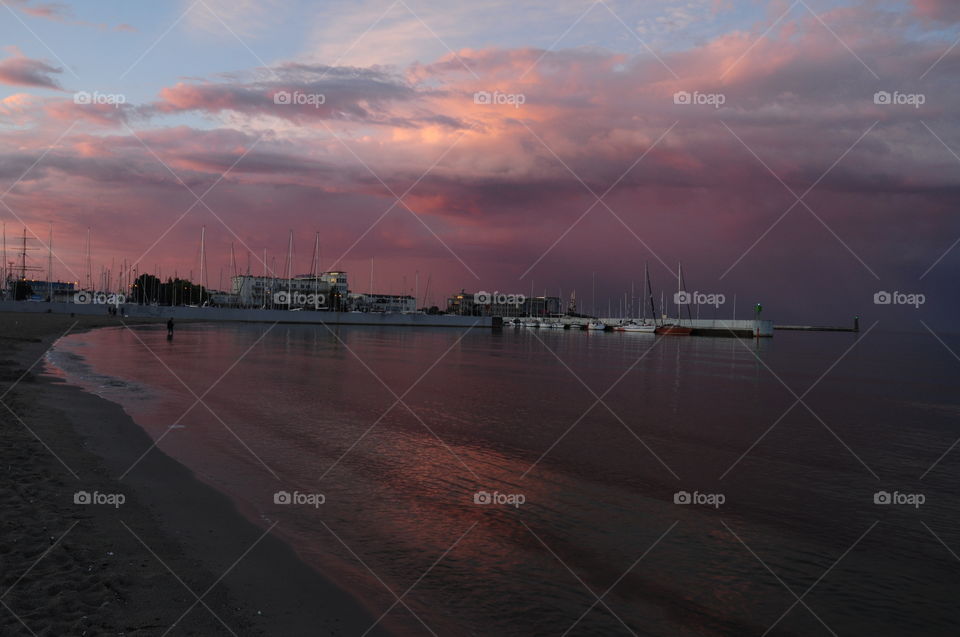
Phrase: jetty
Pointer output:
(821, 328)
(237, 315)
(743, 328)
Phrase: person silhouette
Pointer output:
(170, 327)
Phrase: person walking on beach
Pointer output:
(170, 327)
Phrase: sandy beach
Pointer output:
(160, 553)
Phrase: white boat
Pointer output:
(556, 325)
(597, 325)
(637, 327)
(532, 324)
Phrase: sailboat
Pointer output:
(634, 326)
(676, 329)
(597, 324)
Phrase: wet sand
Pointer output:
(136, 568)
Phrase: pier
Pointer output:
(182, 312)
(744, 328)
(821, 328)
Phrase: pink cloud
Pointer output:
(48, 10)
(942, 10)
(24, 71)
(304, 93)
(506, 183)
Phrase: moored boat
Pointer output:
(637, 327)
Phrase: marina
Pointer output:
(699, 327)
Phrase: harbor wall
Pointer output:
(254, 315)
(701, 327)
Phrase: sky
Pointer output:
(804, 154)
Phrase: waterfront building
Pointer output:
(261, 291)
(501, 304)
(382, 303)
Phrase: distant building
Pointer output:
(542, 306)
(224, 299)
(500, 304)
(45, 290)
(382, 303)
(260, 291)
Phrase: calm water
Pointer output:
(309, 410)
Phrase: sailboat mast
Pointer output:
(50, 266)
(289, 268)
(23, 257)
(89, 282)
(316, 265)
(679, 290)
(203, 232)
(644, 304)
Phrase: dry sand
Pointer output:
(75, 569)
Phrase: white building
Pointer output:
(383, 303)
(262, 291)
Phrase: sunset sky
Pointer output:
(798, 190)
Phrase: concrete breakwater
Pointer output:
(253, 315)
(701, 327)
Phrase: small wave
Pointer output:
(75, 370)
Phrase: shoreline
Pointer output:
(137, 567)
